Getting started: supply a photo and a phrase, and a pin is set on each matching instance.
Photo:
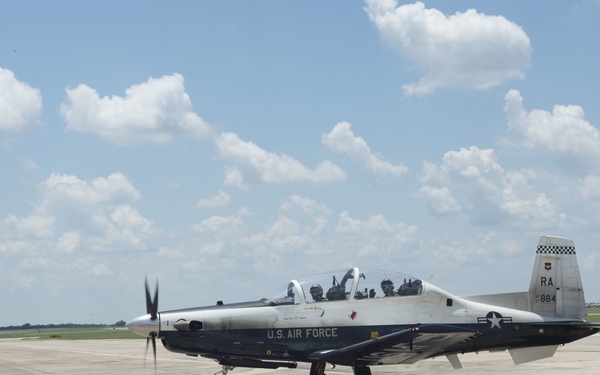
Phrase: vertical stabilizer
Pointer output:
(555, 288)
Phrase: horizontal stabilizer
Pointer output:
(524, 355)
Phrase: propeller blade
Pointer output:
(148, 298)
(154, 311)
(153, 338)
(146, 353)
(152, 303)
(154, 349)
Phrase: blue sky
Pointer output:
(226, 147)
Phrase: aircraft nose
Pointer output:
(144, 325)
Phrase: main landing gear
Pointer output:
(318, 368)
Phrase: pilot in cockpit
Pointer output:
(316, 291)
(387, 286)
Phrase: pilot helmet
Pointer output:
(387, 286)
(316, 291)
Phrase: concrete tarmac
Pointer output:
(126, 357)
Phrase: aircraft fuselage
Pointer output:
(263, 330)
(374, 317)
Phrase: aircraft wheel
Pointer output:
(317, 368)
(362, 370)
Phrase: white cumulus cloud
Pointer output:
(440, 200)
(563, 134)
(472, 182)
(219, 200)
(68, 242)
(468, 50)
(247, 164)
(376, 236)
(30, 227)
(20, 105)
(342, 140)
(63, 192)
(155, 111)
(304, 205)
(96, 215)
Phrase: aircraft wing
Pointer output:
(406, 346)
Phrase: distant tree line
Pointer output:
(120, 323)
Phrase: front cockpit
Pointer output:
(348, 284)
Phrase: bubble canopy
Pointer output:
(346, 284)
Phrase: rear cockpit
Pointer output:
(349, 284)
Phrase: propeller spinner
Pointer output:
(148, 325)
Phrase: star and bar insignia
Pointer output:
(494, 319)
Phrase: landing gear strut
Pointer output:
(225, 370)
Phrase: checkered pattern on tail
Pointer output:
(555, 249)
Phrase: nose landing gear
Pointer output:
(224, 370)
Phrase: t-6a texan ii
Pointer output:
(364, 318)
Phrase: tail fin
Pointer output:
(555, 288)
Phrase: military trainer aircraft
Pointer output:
(363, 318)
